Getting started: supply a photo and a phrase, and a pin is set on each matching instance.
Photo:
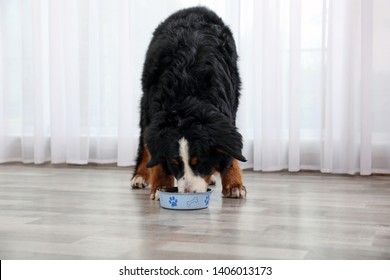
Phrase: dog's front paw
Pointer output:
(234, 191)
(138, 182)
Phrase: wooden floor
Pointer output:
(51, 212)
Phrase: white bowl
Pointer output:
(171, 199)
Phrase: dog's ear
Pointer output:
(231, 152)
(159, 137)
(228, 139)
(153, 146)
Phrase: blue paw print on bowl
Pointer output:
(207, 200)
(172, 201)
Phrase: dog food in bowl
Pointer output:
(171, 199)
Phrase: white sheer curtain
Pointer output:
(317, 86)
(315, 95)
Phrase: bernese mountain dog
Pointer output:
(191, 89)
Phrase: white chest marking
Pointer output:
(189, 183)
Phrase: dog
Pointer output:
(191, 90)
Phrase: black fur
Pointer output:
(191, 88)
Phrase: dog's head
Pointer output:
(191, 149)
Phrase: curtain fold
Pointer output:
(315, 80)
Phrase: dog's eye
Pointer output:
(194, 161)
(175, 162)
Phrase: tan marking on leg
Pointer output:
(232, 185)
(158, 179)
(141, 177)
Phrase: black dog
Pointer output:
(190, 97)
